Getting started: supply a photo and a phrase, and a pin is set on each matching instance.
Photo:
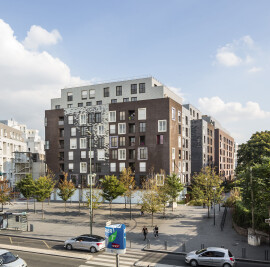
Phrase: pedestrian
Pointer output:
(145, 232)
(142, 213)
(156, 231)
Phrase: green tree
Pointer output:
(173, 186)
(95, 201)
(43, 188)
(66, 189)
(112, 188)
(127, 179)
(26, 187)
(4, 192)
(206, 186)
(151, 201)
(163, 196)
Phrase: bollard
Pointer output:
(184, 247)
(31, 228)
(166, 245)
(130, 243)
(148, 243)
(202, 246)
(266, 255)
(243, 252)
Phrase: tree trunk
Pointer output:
(110, 208)
(34, 205)
(27, 204)
(42, 211)
(125, 202)
(152, 219)
(164, 207)
(208, 211)
(65, 206)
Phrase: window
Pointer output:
(84, 94)
(88, 104)
(47, 144)
(186, 120)
(126, 99)
(73, 143)
(112, 167)
(122, 115)
(142, 127)
(101, 130)
(57, 106)
(69, 97)
(69, 105)
(92, 93)
(114, 101)
(101, 154)
(133, 99)
(70, 167)
(73, 131)
(142, 88)
(173, 114)
(98, 167)
(186, 132)
(106, 92)
(121, 154)
(179, 116)
(82, 118)
(70, 155)
(131, 154)
(179, 141)
(133, 88)
(172, 166)
(132, 141)
(142, 153)
(142, 166)
(114, 154)
(100, 142)
(113, 141)
(112, 129)
(160, 139)
(80, 104)
(70, 119)
(118, 90)
(82, 143)
(131, 128)
(162, 125)
(83, 154)
(91, 117)
(99, 102)
(122, 166)
(142, 140)
(97, 117)
(179, 166)
(173, 153)
(122, 141)
(142, 114)
(112, 116)
(83, 167)
(121, 128)
(179, 129)
(160, 179)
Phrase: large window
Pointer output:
(101, 130)
(69, 96)
(142, 88)
(113, 141)
(82, 118)
(112, 129)
(122, 115)
(114, 154)
(173, 114)
(83, 143)
(122, 141)
(142, 127)
(97, 117)
(126, 99)
(73, 131)
(83, 167)
(91, 117)
(70, 119)
(101, 154)
(73, 143)
(142, 166)
(106, 92)
(142, 114)
(112, 167)
(112, 116)
(99, 102)
(100, 142)
(70, 155)
(84, 94)
(118, 90)
(122, 166)
(160, 139)
(162, 125)
(92, 93)
(142, 153)
(179, 116)
(173, 153)
(121, 128)
(70, 167)
(133, 88)
(83, 154)
(121, 154)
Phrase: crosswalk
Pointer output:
(134, 257)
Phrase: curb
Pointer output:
(184, 253)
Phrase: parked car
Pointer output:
(93, 243)
(211, 257)
(7, 259)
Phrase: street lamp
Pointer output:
(130, 187)
(90, 177)
(214, 188)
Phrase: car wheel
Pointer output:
(227, 265)
(93, 250)
(68, 247)
(194, 263)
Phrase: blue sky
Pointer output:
(214, 53)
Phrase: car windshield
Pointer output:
(200, 251)
(7, 257)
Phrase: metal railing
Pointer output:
(222, 223)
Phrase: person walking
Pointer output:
(156, 231)
(145, 232)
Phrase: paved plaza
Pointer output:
(184, 229)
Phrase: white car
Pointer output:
(92, 243)
(7, 259)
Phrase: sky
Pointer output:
(215, 54)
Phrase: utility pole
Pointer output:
(252, 199)
(90, 177)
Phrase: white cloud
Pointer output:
(228, 59)
(37, 36)
(255, 69)
(178, 91)
(29, 80)
(241, 120)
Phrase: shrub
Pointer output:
(195, 203)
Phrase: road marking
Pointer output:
(46, 244)
(10, 240)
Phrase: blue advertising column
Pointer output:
(115, 238)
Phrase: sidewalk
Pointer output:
(185, 225)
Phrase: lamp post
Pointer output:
(90, 177)
(214, 188)
(130, 187)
